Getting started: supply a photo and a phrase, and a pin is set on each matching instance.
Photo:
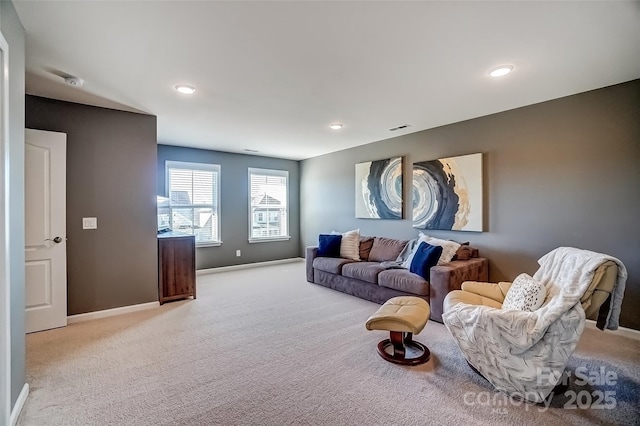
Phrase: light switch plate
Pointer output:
(89, 223)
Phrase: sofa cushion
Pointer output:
(332, 265)
(386, 249)
(329, 245)
(404, 280)
(363, 271)
(365, 248)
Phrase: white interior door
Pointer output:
(45, 230)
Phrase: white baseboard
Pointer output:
(17, 409)
(621, 331)
(111, 312)
(247, 266)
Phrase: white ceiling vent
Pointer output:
(404, 126)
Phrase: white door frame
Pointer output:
(5, 304)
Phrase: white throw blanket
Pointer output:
(510, 348)
(569, 271)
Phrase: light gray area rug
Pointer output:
(264, 347)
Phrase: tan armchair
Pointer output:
(524, 354)
(489, 294)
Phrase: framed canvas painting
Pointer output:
(447, 193)
(379, 189)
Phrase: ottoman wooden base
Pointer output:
(401, 341)
(402, 317)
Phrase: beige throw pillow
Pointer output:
(449, 248)
(350, 244)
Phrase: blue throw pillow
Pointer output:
(329, 245)
(426, 256)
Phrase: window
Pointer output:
(269, 208)
(194, 200)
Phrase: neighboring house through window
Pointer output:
(269, 207)
(194, 200)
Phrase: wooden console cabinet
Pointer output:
(176, 266)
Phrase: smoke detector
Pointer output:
(74, 81)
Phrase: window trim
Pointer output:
(267, 172)
(187, 165)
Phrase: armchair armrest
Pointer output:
(311, 253)
(491, 291)
(446, 278)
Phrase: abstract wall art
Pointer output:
(379, 189)
(447, 193)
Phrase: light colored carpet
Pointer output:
(264, 347)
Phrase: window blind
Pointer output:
(194, 199)
(268, 201)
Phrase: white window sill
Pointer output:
(268, 239)
(210, 244)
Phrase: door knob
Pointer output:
(56, 240)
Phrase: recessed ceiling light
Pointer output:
(185, 90)
(502, 70)
(336, 126)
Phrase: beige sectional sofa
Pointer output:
(375, 278)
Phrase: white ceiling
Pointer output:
(272, 76)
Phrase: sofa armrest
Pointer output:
(446, 278)
(311, 253)
(491, 291)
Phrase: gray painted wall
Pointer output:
(111, 175)
(14, 34)
(234, 203)
(559, 173)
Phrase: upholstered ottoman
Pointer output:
(403, 317)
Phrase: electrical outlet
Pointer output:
(238, 253)
(89, 223)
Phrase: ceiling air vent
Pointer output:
(404, 126)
